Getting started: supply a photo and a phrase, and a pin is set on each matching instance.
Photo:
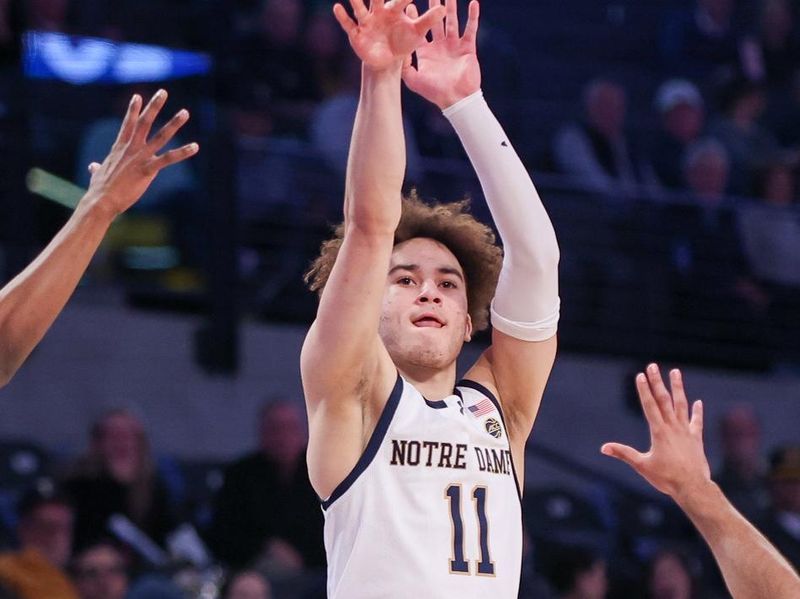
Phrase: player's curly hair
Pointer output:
(471, 242)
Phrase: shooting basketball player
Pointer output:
(421, 475)
(30, 302)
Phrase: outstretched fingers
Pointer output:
(129, 122)
(345, 22)
(623, 453)
(471, 30)
(399, 5)
(167, 158)
(649, 406)
(427, 21)
(168, 131)
(451, 22)
(696, 422)
(437, 31)
(148, 116)
(679, 400)
(660, 392)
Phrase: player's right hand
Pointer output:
(676, 463)
(384, 34)
(133, 162)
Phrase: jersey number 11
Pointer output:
(459, 565)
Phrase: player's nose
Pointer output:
(429, 292)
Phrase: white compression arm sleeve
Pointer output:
(526, 304)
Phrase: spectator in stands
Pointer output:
(247, 584)
(576, 573)
(332, 125)
(117, 475)
(325, 46)
(771, 237)
(777, 47)
(698, 40)
(36, 571)
(750, 147)
(267, 514)
(682, 112)
(273, 71)
(100, 572)
(714, 294)
(596, 150)
(781, 524)
(742, 475)
(669, 576)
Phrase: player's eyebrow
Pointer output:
(445, 270)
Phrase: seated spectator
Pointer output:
(698, 40)
(576, 573)
(741, 475)
(267, 514)
(714, 295)
(36, 570)
(771, 237)
(682, 113)
(99, 572)
(750, 147)
(781, 524)
(271, 68)
(596, 150)
(332, 125)
(776, 45)
(117, 476)
(247, 584)
(771, 229)
(669, 576)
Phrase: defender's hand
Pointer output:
(132, 164)
(676, 463)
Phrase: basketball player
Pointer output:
(30, 302)
(420, 475)
(676, 465)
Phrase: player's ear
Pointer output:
(468, 329)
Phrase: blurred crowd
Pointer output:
(691, 153)
(122, 522)
(708, 160)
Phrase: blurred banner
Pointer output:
(86, 60)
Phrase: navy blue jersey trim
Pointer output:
(372, 447)
(481, 389)
(436, 405)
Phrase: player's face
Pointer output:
(425, 318)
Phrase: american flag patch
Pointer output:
(481, 408)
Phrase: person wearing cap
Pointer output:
(37, 569)
(682, 112)
(781, 524)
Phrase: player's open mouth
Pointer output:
(428, 320)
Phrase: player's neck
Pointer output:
(433, 383)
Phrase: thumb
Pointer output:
(623, 453)
(93, 167)
(409, 73)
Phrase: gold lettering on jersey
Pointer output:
(440, 454)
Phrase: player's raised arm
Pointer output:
(30, 302)
(676, 465)
(343, 360)
(525, 309)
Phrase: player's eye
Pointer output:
(405, 281)
(449, 285)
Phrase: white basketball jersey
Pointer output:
(432, 508)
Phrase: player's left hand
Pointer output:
(447, 67)
(133, 163)
(676, 463)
